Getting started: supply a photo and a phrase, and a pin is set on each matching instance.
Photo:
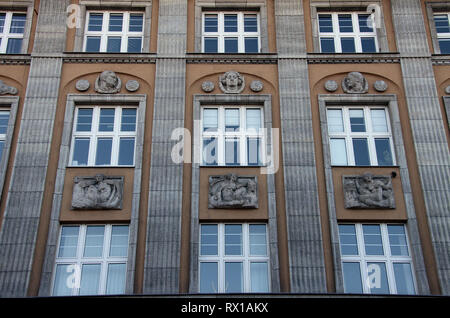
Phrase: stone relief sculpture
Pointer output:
(108, 83)
(97, 193)
(368, 191)
(380, 86)
(355, 83)
(331, 85)
(6, 89)
(132, 85)
(231, 82)
(256, 86)
(82, 85)
(232, 192)
(207, 86)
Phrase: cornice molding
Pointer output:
(199, 58)
(109, 58)
(359, 58)
(6, 59)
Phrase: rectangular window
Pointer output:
(230, 32)
(347, 33)
(91, 260)
(104, 136)
(376, 259)
(114, 32)
(442, 24)
(12, 29)
(360, 136)
(234, 258)
(232, 136)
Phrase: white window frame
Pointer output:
(387, 258)
(6, 35)
(94, 134)
(242, 134)
(221, 34)
(356, 34)
(245, 258)
(79, 260)
(105, 33)
(442, 35)
(368, 134)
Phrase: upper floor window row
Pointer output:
(12, 29)
(114, 32)
(442, 24)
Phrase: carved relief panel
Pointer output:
(232, 192)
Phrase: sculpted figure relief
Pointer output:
(231, 82)
(98, 192)
(232, 191)
(108, 83)
(6, 89)
(368, 191)
(355, 83)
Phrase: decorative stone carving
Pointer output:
(447, 90)
(355, 83)
(380, 86)
(132, 85)
(331, 86)
(82, 85)
(231, 82)
(108, 83)
(97, 193)
(207, 86)
(6, 89)
(256, 86)
(232, 192)
(368, 191)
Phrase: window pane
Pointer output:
(352, 278)
(250, 23)
(136, 22)
(210, 151)
(126, 151)
(379, 123)
(377, 278)
(365, 23)
(69, 241)
(209, 240)
(348, 45)
(403, 278)
(345, 23)
(2, 21)
(384, 155)
(81, 152)
(338, 151)
(361, 152)
(233, 239)
(347, 239)
(372, 240)
(104, 147)
(232, 119)
(208, 277)
(325, 23)
(251, 45)
(232, 153)
(61, 286)
(442, 24)
(258, 240)
(14, 46)
(134, 45)
(106, 119)
(210, 23)
(253, 151)
(335, 122)
(397, 240)
(259, 277)
(119, 241)
(115, 22)
(114, 43)
(4, 119)
(210, 45)
(93, 44)
(93, 246)
(18, 23)
(210, 121)
(253, 117)
(368, 45)
(128, 119)
(444, 46)
(116, 279)
(233, 277)
(90, 278)
(327, 45)
(2, 145)
(95, 21)
(230, 23)
(84, 119)
(231, 45)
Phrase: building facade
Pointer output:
(242, 146)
